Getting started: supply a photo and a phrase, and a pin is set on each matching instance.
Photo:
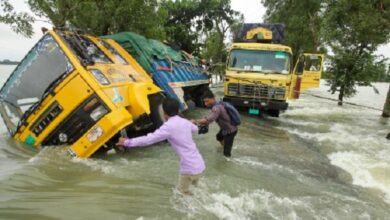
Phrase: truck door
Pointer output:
(306, 74)
(312, 71)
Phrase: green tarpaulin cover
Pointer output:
(146, 50)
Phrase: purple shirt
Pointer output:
(178, 131)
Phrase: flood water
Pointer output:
(317, 161)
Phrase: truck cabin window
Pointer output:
(114, 52)
(38, 73)
(313, 63)
(260, 61)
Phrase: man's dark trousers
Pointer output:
(227, 141)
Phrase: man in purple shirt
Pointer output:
(219, 114)
(178, 131)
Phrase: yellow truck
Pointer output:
(79, 91)
(260, 75)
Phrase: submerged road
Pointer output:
(317, 161)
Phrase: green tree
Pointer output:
(101, 17)
(179, 26)
(225, 23)
(302, 19)
(19, 22)
(354, 29)
(215, 48)
(191, 22)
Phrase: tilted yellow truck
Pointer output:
(79, 91)
(260, 75)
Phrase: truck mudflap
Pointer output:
(261, 104)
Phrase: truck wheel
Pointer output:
(156, 110)
(199, 94)
(273, 113)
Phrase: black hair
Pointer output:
(170, 107)
(208, 94)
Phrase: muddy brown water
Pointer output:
(317, 161)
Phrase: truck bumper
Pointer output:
(108, 126)
(261, 104)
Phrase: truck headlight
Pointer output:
(63, 137)
(100, 77)
(95, 109)
(94, 134)
(98, 112)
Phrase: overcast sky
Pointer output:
(15, 47)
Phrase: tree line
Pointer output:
(8, 62)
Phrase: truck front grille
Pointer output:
(77, 123)
(46, 118)
(258, 91)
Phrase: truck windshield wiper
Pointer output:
(80, 49)
(49, 89)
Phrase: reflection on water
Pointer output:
(316, 161)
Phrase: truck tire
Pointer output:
(156, 110)
(199, 95)
(274, 113)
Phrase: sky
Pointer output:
(15, 47)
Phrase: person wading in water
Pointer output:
(220, 113)
(178, 132)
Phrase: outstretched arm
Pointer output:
(159, 135)
(194, 128)
(214, 114)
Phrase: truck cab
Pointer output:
(260, 75)
(79, 91)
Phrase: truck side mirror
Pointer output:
(300, 65)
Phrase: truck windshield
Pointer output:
(38, 73)
(260, 61)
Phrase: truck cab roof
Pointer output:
(261, 46)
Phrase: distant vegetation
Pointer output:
(8, 62)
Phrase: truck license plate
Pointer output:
(253, 111)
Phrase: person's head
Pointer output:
(170, 107)
(208, 99)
